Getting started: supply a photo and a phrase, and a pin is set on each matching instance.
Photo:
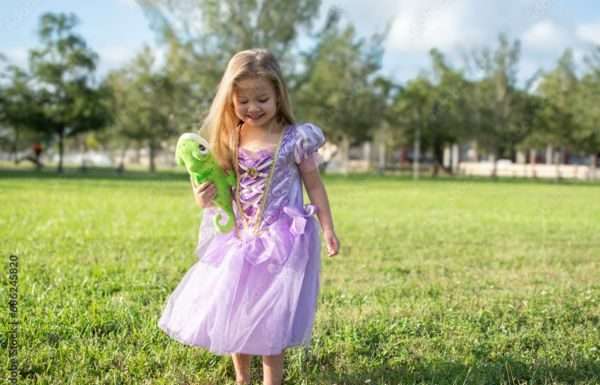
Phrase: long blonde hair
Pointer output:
(221, 123)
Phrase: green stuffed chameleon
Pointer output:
(193, 152)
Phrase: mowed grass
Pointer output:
(438, 282)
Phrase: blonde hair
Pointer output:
(221, 123)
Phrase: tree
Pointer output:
(586, 109)
(216, 29)
(496, 97)
(340, 68)
(434, 110)
(142, 103)
(558, 89)
(62, 70)
(341, 89)
(18, 106)
(410, 110)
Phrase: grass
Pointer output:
(463, 281)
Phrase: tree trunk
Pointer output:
(121, 166)
(455, 163)
(61, 140)
(345, 153)
(417, 152)
(532, 162)
(16, 146)
(593, 165)
(438, 156)
(152, 154)
(495, 165)
(381, 158)
(559, 161)
(138, 153)
(83, 149)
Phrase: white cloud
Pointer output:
(128, 3)
(367, 17)
(116, 56)
(589, 32)
(545, 35)
(544, 28)
(419, 26)
(17, 55)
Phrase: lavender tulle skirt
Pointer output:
(254, 294)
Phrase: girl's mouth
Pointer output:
(255, 117)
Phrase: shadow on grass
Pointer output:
(504, 371)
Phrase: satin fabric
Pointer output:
(255, 293)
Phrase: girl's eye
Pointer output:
(243, 102)
(264, 101)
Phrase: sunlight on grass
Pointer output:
(438, 282)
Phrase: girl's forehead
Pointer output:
(253, 85)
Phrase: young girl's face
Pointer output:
(255, 101)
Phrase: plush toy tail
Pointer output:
(225, 228)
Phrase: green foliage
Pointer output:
(438, 107)
(333, 75)
(57, 95)
(341, 89)
(497, 100)
(143, 102)
(17, 100)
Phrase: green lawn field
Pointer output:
(438, 282)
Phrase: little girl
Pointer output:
(254, 290)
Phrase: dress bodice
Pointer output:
(280, 196)
(297, 143)
(253, 168)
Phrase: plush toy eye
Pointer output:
(202, 148)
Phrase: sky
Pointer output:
(117, 29)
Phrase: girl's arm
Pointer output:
(318, 197)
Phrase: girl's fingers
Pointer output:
(211, 194)
(333, 246)
(204, 187)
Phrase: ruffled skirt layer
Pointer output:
(252, 294)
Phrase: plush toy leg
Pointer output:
(227, 226)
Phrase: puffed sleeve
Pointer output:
(309, 138)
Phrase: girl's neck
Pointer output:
(272, 126)
(259, 137)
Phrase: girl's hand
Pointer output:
(204, 194)
(333, 244)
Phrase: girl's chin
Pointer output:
(257, 122)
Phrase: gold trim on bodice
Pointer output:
(263, 199)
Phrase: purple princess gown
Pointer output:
(255, 292)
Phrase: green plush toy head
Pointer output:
(193, 152)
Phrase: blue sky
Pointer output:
(117, 29)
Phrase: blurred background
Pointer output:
(440, 87)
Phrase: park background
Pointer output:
(461, 156)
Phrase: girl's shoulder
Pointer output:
(307, 138)
(306, 129)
